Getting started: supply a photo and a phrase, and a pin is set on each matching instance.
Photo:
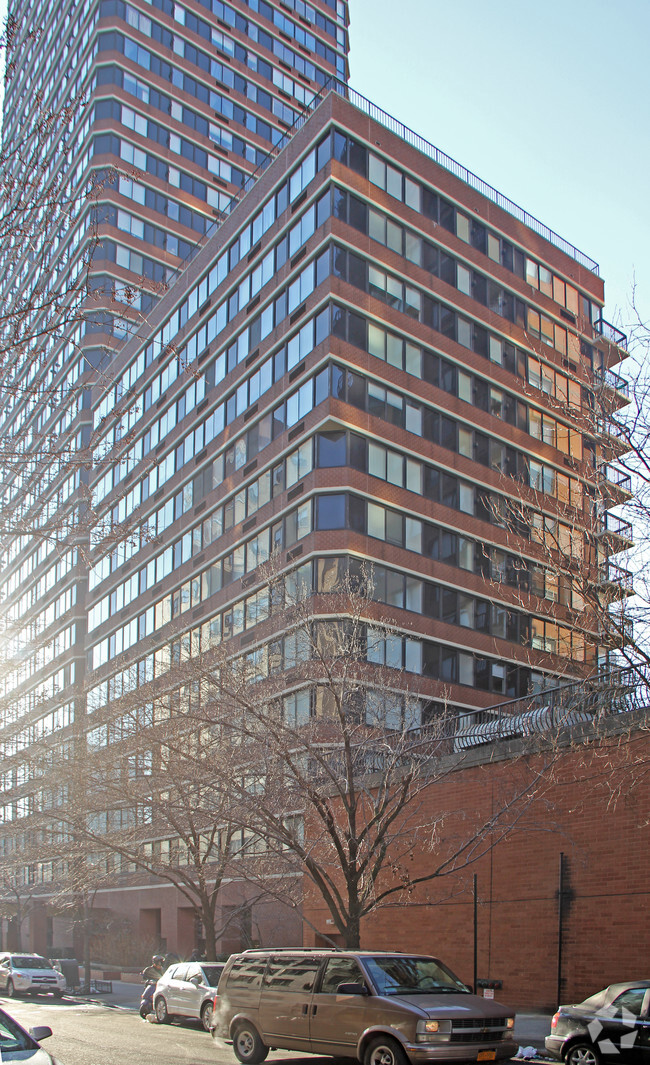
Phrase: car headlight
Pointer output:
(432, 1030)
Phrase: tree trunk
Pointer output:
(86, 943)
(209, 929)
(352, 933)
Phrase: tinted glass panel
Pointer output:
(247, 973)
(292, 974)
(211, 974)
(340, 971)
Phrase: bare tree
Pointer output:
(335, 754)
(159, 802)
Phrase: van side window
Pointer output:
(340, 971)
(292, 974)
(247, 973)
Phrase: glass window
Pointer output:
(394, 237)
(340, 971)
(376, 171)
(464, 387)
(376, 521)
(394, 350)
(462, 226)
(463, 280)
(377, 461)
(331, 449)
(292, 974)
(465, 669)
(465, 442)
(330, 512)
(466, 502)
(413, 194)
(466, 553)
(376, 342)
(496, 350)
(393, 182)
(395, 471)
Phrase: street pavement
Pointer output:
(530, 1028)
(106, 1029)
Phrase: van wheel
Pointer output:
(248, 1046)
(384, 1051)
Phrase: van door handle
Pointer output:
(305, 1008)
(313, 1010)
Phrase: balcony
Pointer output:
(609, 379)
(619, 578)
(617, 532)
(612, 389)
(614, 441)
(615, 485)
(621, 630)
(610, 341)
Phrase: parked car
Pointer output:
(383, 1009)
(18, 1045)
(29, 974)
(613, 1024)
(187, 990)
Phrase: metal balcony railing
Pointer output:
(617, 691)
(620, 576)
(609, 379)
(616, 527)
(610, 333)
(610, 475)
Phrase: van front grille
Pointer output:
(478, 1029)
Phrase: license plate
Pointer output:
(486, 1055)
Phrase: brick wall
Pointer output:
(592, 806)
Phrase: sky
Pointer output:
(549, 102)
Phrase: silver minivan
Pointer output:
(381, 1008)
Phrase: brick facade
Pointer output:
(592, 806)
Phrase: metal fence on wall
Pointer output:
(616, 692)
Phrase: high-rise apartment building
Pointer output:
(373, 358)
(146, 121)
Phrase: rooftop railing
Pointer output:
(416, 141)
(459, 171)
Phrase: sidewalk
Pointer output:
(125, 995)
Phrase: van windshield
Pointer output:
(412, 976)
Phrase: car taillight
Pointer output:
(215, 1002)
(555, 1018)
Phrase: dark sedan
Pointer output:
(613, 1024)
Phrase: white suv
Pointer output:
(29, 974)
(187, 990)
